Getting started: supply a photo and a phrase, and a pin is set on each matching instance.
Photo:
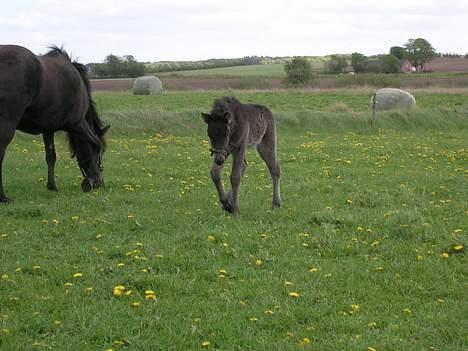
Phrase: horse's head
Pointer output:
(89, 157)
(219, 128)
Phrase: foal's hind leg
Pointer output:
(51, 157)
(7, 131)
(267, 151)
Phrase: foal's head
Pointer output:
(219, 128)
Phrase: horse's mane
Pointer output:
(222, 105)
(92, 116)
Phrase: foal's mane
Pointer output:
(222, 105)
(92, 116)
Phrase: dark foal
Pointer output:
(232, 127)
(45, 94)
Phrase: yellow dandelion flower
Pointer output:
(135, 304)
(205, 343)
(99, 236)
(68, 285)
(18, 270)
(440, 301)
(355, 307)
(371, 349)
(372, 325)
(253, 319)
(36, 268)
(120, 264)
(77, 275)
(287, 283)
(419, 257)
(305, 341)
(88, 290)
(149, 292)
(128, 292)
(458, 231)
(211, 238)
(407, 310)
(138, 244)
(458, 247)
(57, 322)
(5, 276)
(290, 334)
(222, 271)
(313, 269)
(294, 294)
(359, 229)
(269, 312)
(258, 262)
(75, 218)
(444, 255)
(55, 221)
(150, 297)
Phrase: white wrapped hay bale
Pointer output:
(391, 99)
(147, 85)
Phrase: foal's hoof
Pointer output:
(227, 206)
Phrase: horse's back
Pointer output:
(19, 79)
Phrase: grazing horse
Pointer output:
(232, 127)
(45, 94)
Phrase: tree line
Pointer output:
(417, 51)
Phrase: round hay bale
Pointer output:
(147, 85)
(391, 99)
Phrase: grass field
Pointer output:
(368, 251)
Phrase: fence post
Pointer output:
(374, 102)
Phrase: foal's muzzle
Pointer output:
(219, 156)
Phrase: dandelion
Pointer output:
(458, 248)
(55, 221)
(305, 341)
(371, 349)
(372, 325)
(440, 301)
(135, 304)
(313, 269)
(407, 310)
(36, 268)
(150, 297)
(119, 290)
(77, 275)
(359, 229)
(57, 323)
(355, 307)
(444, 255)
(458, 231)
(205, 343)
(211, 238)
(68, 285)
(222, 272)
(120, 264)
(88, 290)
(258, 262)
(75, 218)
(287, 283)
(294, 294)
(253, 319)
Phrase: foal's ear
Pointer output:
(227, 117)
(206, 117)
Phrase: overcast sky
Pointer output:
(201, 29)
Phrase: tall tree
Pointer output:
(358, 61)
(398, 51)
(419, 51)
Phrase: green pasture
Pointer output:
(367, 252)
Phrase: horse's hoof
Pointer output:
(227, 206)
(86, 185)
(4, 200)
(52, 187)
(276, 205)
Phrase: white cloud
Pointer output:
(163, 30)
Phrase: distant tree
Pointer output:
(390, 64)
(119, 67)
(298, 72)
(336, 64)
(398, 51)
(466, 56)
(358, 61)
(419, 51)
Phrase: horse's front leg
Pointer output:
(216, 177)
(238, 167)
(7, 131)
(51, 157)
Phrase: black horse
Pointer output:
(45, 94)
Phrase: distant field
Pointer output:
(271, 70)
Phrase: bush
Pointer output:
(298, 72)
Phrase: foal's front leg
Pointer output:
(238, 168)
(216, 176)
(51, 157)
